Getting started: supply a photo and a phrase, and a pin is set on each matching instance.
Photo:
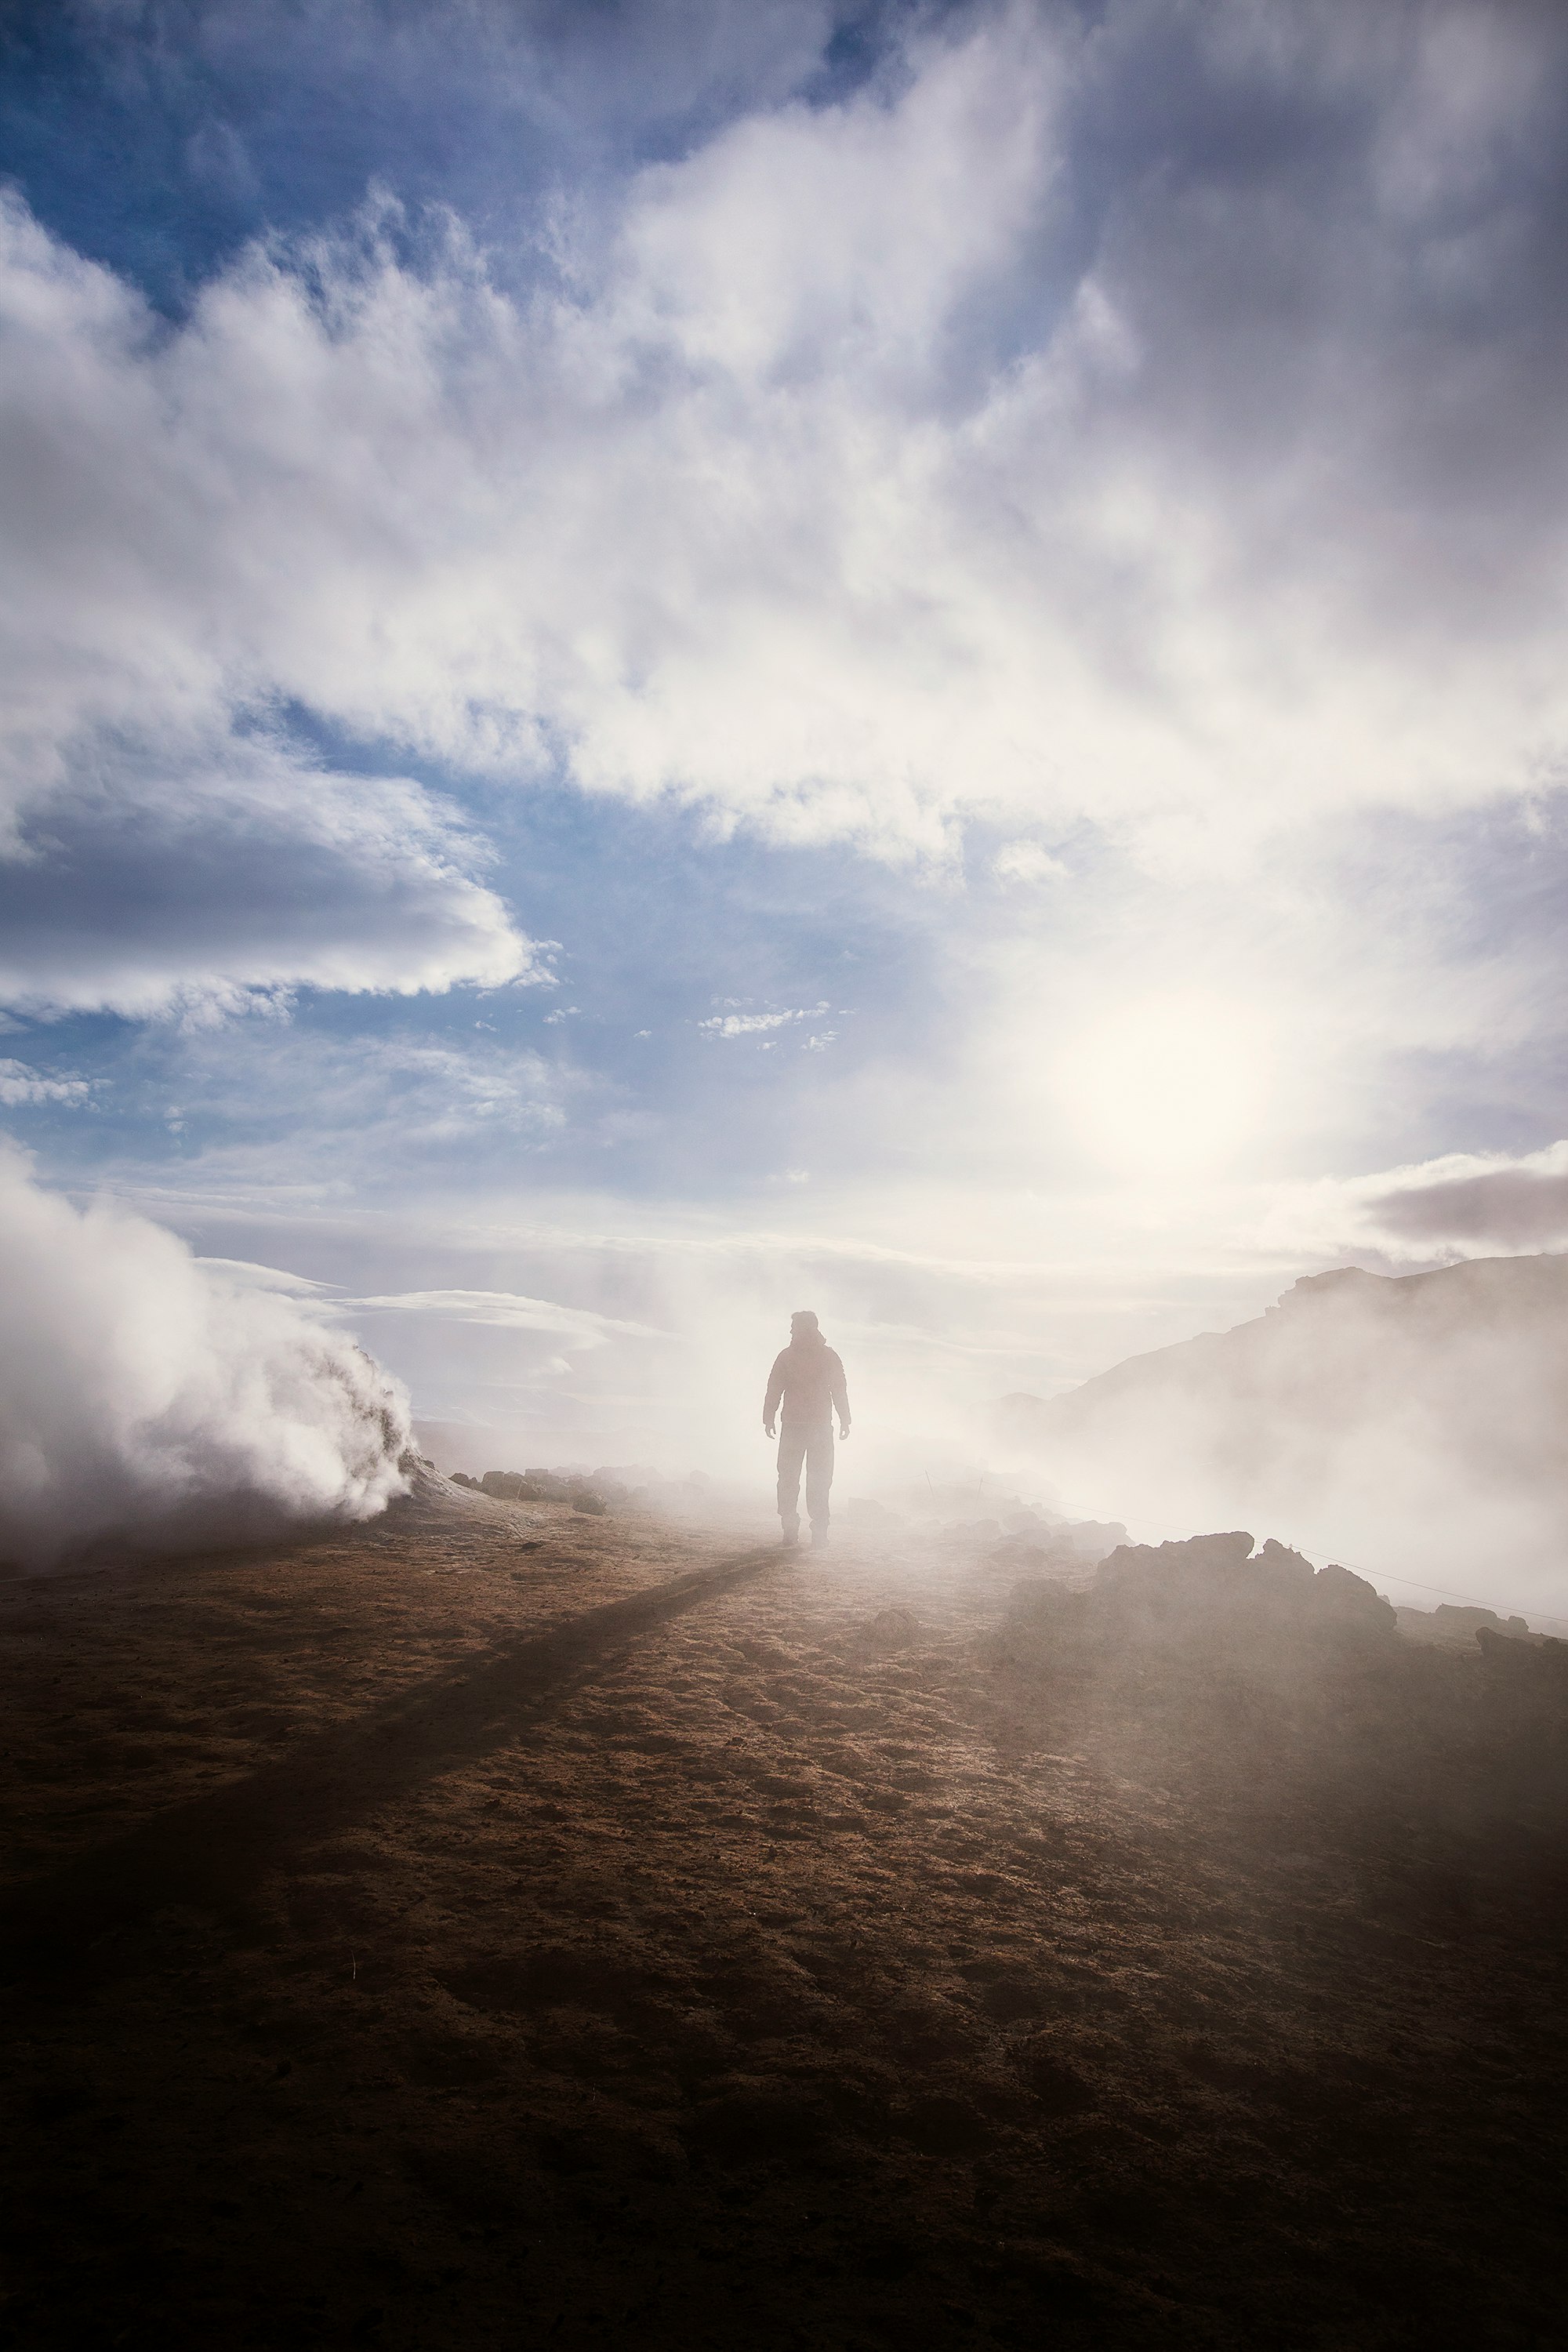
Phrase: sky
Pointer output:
(669, 662)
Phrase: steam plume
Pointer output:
(144, 1398)
(1414, 1421)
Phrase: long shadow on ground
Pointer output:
(214, 1849)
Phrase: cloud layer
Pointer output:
(871, 468)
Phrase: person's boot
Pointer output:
(790, 1536)
(819, 1537)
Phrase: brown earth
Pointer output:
(418, 1940)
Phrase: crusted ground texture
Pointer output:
(504, 1925)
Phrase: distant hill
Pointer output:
(1423, 1417)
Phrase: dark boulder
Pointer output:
(547, 1487)
(1210, 1595)
(1453, 1626)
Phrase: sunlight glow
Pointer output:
(1169, 1083)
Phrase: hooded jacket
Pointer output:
(809, 1379)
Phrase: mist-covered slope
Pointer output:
(1420, 1420)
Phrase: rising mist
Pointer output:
(146, 1399)
(1411, 1425)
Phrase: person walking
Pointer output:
(808, 1379)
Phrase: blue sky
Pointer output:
(669, 662)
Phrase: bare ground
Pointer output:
(418, 1940)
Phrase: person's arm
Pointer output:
(776, 1391)
(840, 1396)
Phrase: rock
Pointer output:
(890, 1630)
(1277, 1560)
(1339, 1597)
(1451, 1626)
(544, 1487)
(1172, 1578)
(1543, 1659)
(1211, 1590)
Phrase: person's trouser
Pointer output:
(810, 1441)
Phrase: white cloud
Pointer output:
(211, 883)
(161, 843)
(20, 1085)
(504, 1310)
(1025, 861)
(754, 1024)
(394, 1099)
(834, 494)
(244, 1273)
(292, 1115)
(1464, 1204)
(746, 1024)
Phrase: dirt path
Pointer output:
(637, 1938)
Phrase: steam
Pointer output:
(144, 1398)
(1412, 1424)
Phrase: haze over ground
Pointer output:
(663, 664)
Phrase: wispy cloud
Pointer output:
(246, 1274)
(1462, 1204)
(757, 1024)
(20, 1085)
(503, 1310)
(1470, 1202)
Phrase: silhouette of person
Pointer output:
(808, 1380)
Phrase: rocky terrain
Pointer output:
(1414, 1420)
(511, 1924)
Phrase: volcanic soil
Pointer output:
(502, 1926)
